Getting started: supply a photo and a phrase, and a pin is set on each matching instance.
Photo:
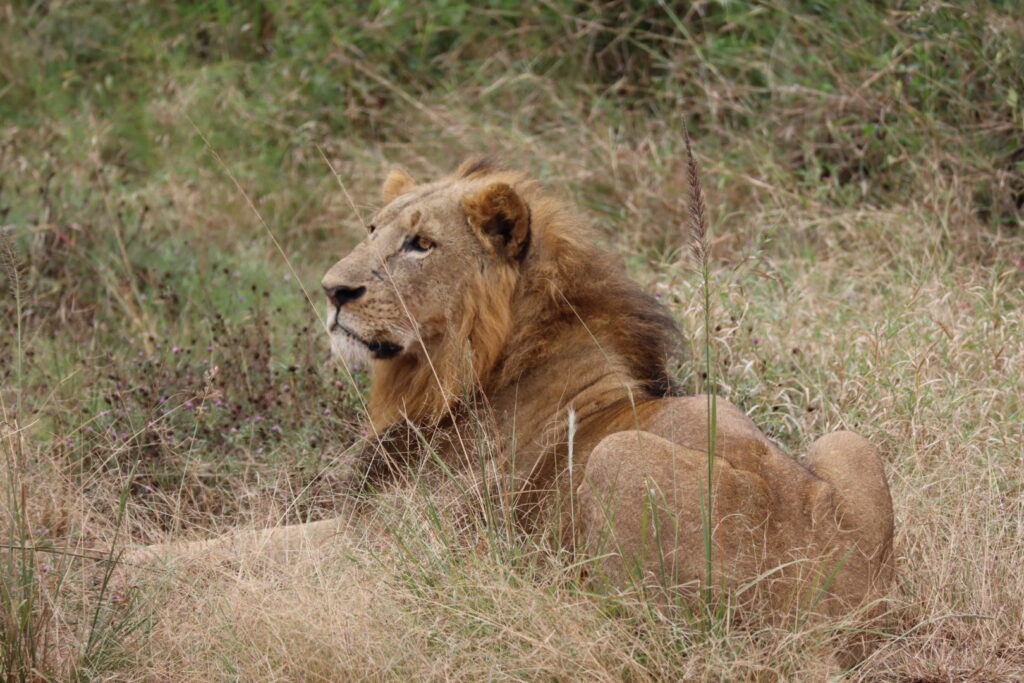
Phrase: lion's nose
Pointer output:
(341, 294)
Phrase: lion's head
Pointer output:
(403, 286)
(462, 282)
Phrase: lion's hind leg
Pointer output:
(857, 524)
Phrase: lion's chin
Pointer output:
(348, 349)
(355, 351)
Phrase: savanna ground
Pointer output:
(164, 376)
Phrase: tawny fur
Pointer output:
(513, 306)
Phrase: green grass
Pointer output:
(864, 166)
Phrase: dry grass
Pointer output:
(864, 277)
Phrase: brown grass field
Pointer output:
(174, 180)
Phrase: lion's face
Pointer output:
(402, 286)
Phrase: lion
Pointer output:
(482, 293)
(481, 283)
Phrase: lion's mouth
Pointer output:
(381, 350)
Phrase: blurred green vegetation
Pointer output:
(869, 86)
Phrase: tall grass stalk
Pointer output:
(698, 234)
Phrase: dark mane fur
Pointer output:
(568, 280)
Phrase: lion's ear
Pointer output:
(396, 184)
(501, 218)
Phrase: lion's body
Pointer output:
(480, 289)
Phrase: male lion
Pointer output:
(480, 290)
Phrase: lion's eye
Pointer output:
(370, 228)
(419, 243)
